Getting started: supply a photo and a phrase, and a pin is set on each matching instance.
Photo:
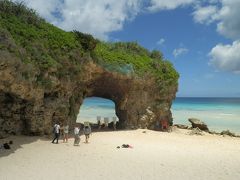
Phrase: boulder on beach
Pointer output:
(196, 123)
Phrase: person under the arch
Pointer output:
(87, 131)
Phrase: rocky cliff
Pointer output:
(45, 74)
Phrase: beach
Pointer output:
(218, 113)
(155, 155)
(117, 66)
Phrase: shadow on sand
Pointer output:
(21, 140)
(18, 143)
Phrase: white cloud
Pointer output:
(44, 8)
(226, 57)
(229, 24)
(95, 17)
(161, 41)
(102, 17)
(180, 51)
(156, 5)
(98, 17)
(226, 16)
(205, 14)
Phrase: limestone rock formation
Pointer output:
(45, 77)
(29, 109)
(196, 123)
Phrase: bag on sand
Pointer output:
(6, 146)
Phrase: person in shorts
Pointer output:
(87, 131)
(65, 132)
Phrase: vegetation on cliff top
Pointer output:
(47, 47)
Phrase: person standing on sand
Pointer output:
(56, 131)
(76, 136)
(65, 132)
(87, 131)
(114, 123)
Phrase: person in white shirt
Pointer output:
(56, 131)
(76, 135)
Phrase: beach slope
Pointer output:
(154, 156)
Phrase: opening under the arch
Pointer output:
(95, 108)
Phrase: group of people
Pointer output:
(105, 122)
(65, 129)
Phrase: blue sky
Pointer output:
(201, 38)
(169, 30)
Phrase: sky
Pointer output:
(200, 37)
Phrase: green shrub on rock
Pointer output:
(45, 46)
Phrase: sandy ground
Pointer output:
(155, 155)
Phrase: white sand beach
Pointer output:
(154, 156)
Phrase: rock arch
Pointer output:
(30, 109)
(44, 76)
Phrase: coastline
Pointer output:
(155, 155)
(218, 113)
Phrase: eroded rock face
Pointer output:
(28, 108)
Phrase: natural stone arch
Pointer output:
(113, 86)
(139, 102)
(44, 77)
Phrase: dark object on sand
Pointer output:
(118, 147)
(196, 123)
(228, 133)
(10, 142)
(6, 146)
(126, 146)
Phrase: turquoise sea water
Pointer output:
(218, 113)
(93, 107)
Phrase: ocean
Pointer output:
(218, 113)
(95, 106)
